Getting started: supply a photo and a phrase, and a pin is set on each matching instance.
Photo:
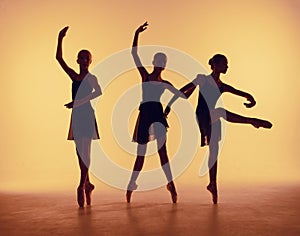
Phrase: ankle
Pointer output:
(132, 186)
(80, 187)
(212, 183)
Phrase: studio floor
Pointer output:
(262, 210)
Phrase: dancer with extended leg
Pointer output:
(208, 116)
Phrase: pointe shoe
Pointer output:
(172, 190)
(257, 123)
(80, 197)
(88, 191)
(212, 188)
(130, 189)
(128, 196)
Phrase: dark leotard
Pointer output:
(83, 121)
(151, 122)
(209, 93)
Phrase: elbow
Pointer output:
(184, 96)
(182, 93)
(98, 92)
(58, 58)
(134, 50)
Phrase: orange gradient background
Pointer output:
(260, 39)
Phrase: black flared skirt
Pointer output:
(151, 123)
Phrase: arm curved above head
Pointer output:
(59, 55)
(134, 53)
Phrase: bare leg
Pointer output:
(213, 164)
(83, 170)
(235, 118)
(88, 186)
(164, 161)
(214, 146)
(138, 165)
(81, 163)
(83, 152)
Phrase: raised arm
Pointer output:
(59, 57)
(134, 53)
(249, 97)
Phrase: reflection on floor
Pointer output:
(272, 210)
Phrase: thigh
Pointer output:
(217, 113)
(83, 146)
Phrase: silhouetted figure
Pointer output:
(208, 116)
(83, 127)
(151, 123)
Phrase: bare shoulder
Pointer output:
(167, 82)
(227, 87)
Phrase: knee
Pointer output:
(213, 148)
(141, 149)
(139, 162)
(162, 150)
(161, 142)
(218, 113)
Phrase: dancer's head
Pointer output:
(160, 60)
(218, 63)
(84, 59)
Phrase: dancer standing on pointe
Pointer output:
(208, 116)
(151, 123)
(83, 127)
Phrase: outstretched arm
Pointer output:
(185, 92)
(134, 53)
(188, 89)
(240, 93)
(59, 57)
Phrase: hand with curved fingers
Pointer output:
(63, 32)
(142, 28)
(251, 101)
(69, 105)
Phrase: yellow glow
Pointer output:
(260, 38)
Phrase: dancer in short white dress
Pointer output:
(83, 126)
(208, 116)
